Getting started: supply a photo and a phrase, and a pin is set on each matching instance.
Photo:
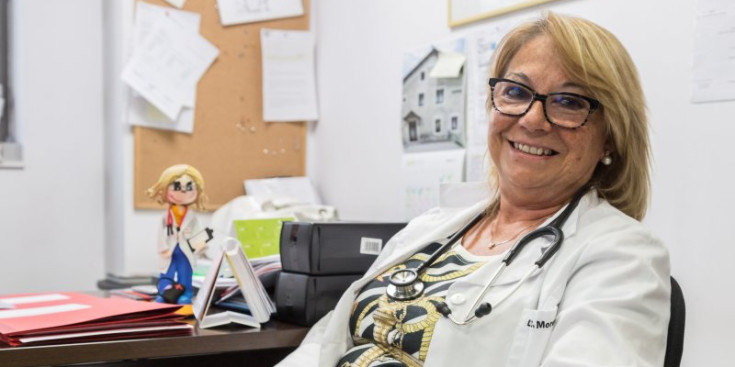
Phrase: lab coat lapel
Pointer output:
(438, 224)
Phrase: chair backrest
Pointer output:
(675, 341)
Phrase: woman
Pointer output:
(567, 121)
(178, 187)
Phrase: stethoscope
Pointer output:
(405, 284)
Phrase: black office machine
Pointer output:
(303, 299)
(333, 247)
(320, 261)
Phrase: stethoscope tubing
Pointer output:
(473, 316)
(449, 244)
(553, 230)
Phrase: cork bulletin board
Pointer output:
(230, 142)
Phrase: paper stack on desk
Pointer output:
(66, 317)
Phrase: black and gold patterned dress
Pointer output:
(391, 333)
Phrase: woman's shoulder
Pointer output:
(602, 226)
(599, 215)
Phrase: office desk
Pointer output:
(230, 345)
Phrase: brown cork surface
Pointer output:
(230, 142)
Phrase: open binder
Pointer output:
(260, 304)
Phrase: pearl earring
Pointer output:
(607, 159)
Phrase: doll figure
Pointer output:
(179, 187)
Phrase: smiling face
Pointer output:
(182, 191)
(539, 163)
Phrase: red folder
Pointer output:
(43, 318)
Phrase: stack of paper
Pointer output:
(51, 318)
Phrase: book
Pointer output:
(260, 305)
(237, 305)
(63, 317)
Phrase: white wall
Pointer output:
(51, 217)
(360, 45)
(130, 234)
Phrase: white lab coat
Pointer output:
(166, 243)
(603, 300)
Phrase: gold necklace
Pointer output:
(493, 245)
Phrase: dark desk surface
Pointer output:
(228, 339)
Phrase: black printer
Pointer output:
(320, 261)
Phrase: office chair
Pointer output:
(675, 341)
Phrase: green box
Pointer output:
(260, 237)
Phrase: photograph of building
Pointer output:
(433, 109)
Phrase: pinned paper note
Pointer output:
(424, 172)
(167, 66)
(143, 113)
(140, 111)
(713, 70)
(289, 82)
(248, 11)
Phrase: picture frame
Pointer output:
(463, 12)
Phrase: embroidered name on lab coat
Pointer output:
(540, 324)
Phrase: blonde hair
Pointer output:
(169, 175)
(593, 57)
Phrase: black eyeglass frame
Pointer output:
(594, 104)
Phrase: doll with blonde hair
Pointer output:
(179, 187)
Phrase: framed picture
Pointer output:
(462, 12)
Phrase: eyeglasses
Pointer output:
(563, 109)
(177, 186)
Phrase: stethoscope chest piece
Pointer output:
(405, 285)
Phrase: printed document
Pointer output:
(289, 86)
(424, 172)
(714, 51)
(482, 45)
